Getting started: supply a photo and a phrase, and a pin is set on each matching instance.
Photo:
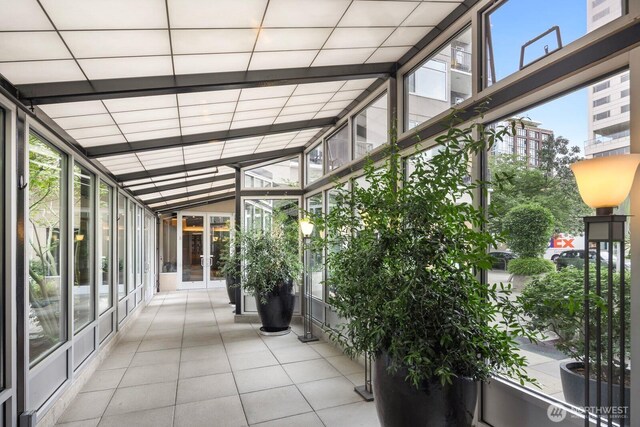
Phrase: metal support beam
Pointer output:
(53, 93)
(203, 138)
(182, 184)
(189, 194)
(272, 192)
(189, 167)
(194, 203)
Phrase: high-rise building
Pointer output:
(526, 143)
(609, 99)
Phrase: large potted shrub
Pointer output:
(554, 304)
(271, 265)
(408, 251)
(528, 228)
(230, 270)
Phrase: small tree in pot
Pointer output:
(405, 277)
(271, 265)
(229, 270)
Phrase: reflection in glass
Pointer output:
(83, 218)
(315, 160)
(122, 246)
(370, 128)
(219, 238)
(169, 245)
(192, 249)
(285, 173)
(338, 149)
(315, 264)
(440, 82)
(131, 245)
(46, 237)
(104, 249)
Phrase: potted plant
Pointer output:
(271, 265)
(555, 303)
(405, 275)
(229, 270)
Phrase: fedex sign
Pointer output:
(561, 243)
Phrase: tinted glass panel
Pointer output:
(282, 174)
(83, 235)
(122, 246)
(104, 248)
(338, 149)
(314, 164)
(370, 127)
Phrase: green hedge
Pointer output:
(530, 266)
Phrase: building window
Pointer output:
(284, 173)
(314, 159)
(624, 77)
(440, 82)
(596, 3)
(83, 217)
(624, 109)
(338, 149)
(46, 254)
(105, 247)
(601, 116)
(601, 86)
(370, 127)
(601, 14)
(122, 246)
(601, 101)
(624, 93)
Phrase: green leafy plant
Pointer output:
(530, 266)
(406, 253)
(229, 261)
(269, 259)
(555, 303)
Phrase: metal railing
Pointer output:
(460, 59)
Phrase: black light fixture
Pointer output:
(306, 227)
(604, 183)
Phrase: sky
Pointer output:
(519, 21)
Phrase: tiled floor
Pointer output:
(184, 362)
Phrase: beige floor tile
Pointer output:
(261, 379)
(160, 344)
(150, 374)
(273, 404)
(206, 388)
(330, 392)
(361, 414)
(126, 347)
(295, 354)
(252, 360)
(224, 411)
(104, 380)
(142, 397)
(156, 357)
(84, 423)
(345, 365)
(117, 361)
(87, 406)
(160, 417)
(310, 419)
(202, 352)
(310, 370)
(251, 346)
(201, 368)
(326, 349)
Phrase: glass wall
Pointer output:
(169, 245)
(370, 127)
(315, 263)
(46, 236)
(122, 246)
(138, 246)
(442, 81)
(2, 253)
(284, 173)
(545, 189)
(105, 248)
(338, 149)
(131, 245)
(510, 27)
(314, 165)
(83, 238)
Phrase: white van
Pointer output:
(561, 242)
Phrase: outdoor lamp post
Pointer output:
(306, 227)
(604, 183)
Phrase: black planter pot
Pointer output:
(573, 387)
(276, 314)
(400, 404)
(231, 291)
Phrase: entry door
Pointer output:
(192, 260)
(219, 238)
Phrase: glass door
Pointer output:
(219, 239)
(191, 256)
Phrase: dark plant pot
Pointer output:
(231, 291)
(276, 314)
(400, 404)
(573, 387)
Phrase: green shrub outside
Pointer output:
(530, 266)
(528, 228)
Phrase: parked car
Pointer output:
(576, 258)
(501, 259)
